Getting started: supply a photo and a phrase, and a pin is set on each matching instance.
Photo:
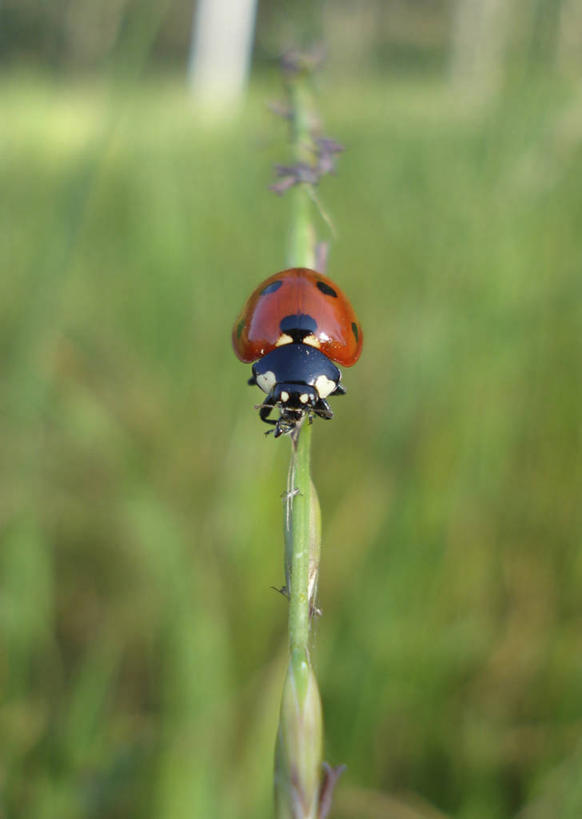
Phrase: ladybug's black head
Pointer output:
(294, 402)
(294, 397)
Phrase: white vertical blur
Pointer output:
(478, 49)
(220, 52)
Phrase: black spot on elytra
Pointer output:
(299, 323)
(271, 288)
(326, 289)
(239, 328)
(355, 331)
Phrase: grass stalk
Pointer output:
(298, 758)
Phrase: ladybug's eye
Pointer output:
(271, 288)
(326, 289)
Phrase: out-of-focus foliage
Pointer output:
(410, 35)
(142, 653)
(142, 649)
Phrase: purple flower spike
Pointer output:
(330, 778)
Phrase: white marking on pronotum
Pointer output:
(266, 381)
(312, 340)
(283, 339)
(304, 398)
(324, 386)
(284, 396)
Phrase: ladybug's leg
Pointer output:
(265, 411)
(323, 409)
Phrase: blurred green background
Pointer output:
(142, 651)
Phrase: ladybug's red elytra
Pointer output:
(292, 297)
(293, 326)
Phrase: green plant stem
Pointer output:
(301, 547)
(301, 254)
(298, 759)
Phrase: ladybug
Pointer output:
(293, 327)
